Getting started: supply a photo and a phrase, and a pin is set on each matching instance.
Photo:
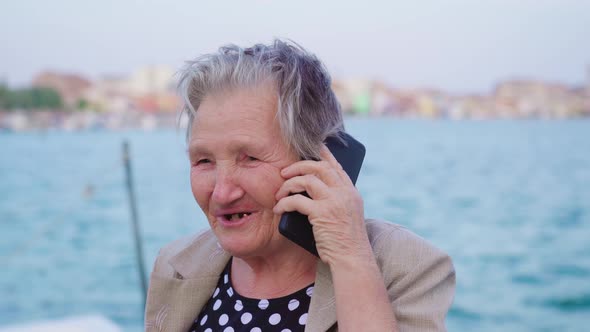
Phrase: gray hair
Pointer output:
(308, 110)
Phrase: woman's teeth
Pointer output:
(236, 216)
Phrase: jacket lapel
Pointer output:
(181, 298)
(198, 267)
(322, 309)
(179, 302)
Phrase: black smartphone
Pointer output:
(350, 154)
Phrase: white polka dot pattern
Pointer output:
(228, 311)
(303, 319)
(293, 304)
(238, 306)
(223, 319)
(246, 318)
(263, 304)
(274, 319)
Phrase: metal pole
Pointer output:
(135, 220)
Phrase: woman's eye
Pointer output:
(250, 158)
(202, 161)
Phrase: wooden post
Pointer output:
(135, 220)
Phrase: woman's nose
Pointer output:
(227, 189)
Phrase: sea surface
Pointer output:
(508, 200)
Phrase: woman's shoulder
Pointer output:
(384, 233)
(399, 249)
(194, 245)
(417, 275)
(178, 245)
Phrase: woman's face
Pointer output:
(237, 152)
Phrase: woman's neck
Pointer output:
(275, 275)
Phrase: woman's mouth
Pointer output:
(236, 216)
(235, 219)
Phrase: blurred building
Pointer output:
(71, 87)
(353, 95)
(153, 89)
(149, 89)
(151, 80)
(364, 97)
(147, 98)
(109, 94)
(535, 99)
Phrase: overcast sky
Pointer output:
(458, 46)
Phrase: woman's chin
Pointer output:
(244, 241)
(243, 247)
(237, 246)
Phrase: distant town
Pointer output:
(147, 100)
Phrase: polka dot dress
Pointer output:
(228, 311)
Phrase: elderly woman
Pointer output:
(258, 118)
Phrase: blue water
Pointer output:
(509, 201)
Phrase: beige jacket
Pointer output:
(420, 280)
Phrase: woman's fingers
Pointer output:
(314, 187)
(321, 169)
(297, 202)
(334, 206)
(327, 156)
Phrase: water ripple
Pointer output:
(573, 303)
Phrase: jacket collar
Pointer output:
(175, 301)
(202, 258)
(198, 267)
(322, 309)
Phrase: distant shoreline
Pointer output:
(32, 121)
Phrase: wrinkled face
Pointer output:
(236, 152)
